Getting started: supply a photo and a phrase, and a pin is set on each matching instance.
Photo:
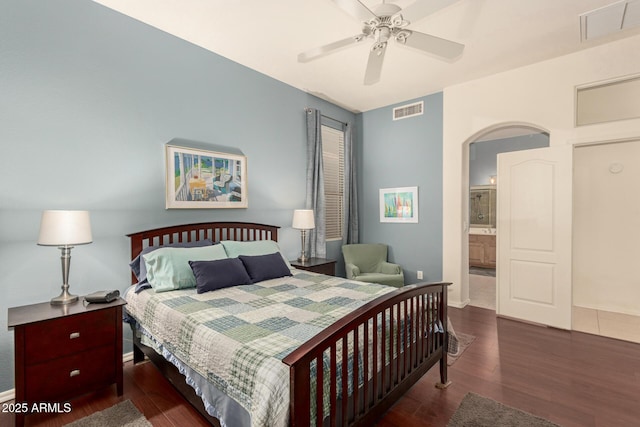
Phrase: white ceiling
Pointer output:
(268, 35)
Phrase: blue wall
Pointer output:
(88, 99)
(404, 153)
(483, 155)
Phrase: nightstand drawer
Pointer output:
(68, 335)
(70, 376)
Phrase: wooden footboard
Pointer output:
(389, 344)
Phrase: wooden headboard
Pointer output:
(215, 231)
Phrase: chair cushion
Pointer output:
(367, 256)
(367, 262)
(396, 280)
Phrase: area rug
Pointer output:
(123, 414)
(464, 341)
(478, 411)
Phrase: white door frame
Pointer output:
(475, 138)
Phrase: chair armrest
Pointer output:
(352, 270)
(390, 268)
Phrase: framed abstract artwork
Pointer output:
(399, 204)
(204, 179)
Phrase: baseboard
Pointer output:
(458, 304)
(5, 396)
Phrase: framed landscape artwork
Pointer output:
(399, 204)
(204, 179)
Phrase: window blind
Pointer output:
(333, 158)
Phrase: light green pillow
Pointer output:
(169, 269)
(258, 247)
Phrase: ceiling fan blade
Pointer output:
(421, 8)
(318, 52)
(356, 9)
(430, 44)
(374, 65)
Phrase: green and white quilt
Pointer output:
(237, 337)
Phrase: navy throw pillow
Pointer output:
(219, 274)
(265, 267)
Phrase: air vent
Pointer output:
(618, 16)
(408, 110)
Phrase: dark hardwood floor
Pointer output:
(570, 378)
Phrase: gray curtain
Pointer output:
(350, 202)
(316, 245)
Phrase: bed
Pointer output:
(302, 349)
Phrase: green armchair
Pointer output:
(367, 262)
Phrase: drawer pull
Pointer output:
(74, 335)
(74, 373)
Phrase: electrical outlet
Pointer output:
(420, 275)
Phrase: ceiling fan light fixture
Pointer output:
(382, 34)
(388, 21)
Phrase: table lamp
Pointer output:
(65, 229)
(303, 221)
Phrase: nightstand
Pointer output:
(64, 351)
(317, 265)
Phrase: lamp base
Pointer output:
(64, 298)
(303, 253)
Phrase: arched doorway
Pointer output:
(479, 195)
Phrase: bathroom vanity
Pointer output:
(482, 231)
(482, 248)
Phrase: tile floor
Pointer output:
(606, 323)
(482, 292)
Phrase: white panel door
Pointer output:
(534, 235)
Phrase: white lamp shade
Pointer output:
(65, 228)
(303, 219)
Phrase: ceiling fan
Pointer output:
(389, 21)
